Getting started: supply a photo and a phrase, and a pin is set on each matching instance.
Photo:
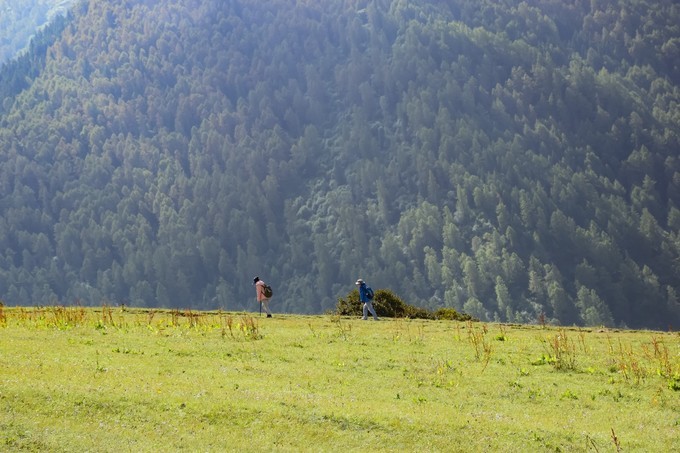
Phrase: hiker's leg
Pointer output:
(365, 311)
(372, 310)
(265, 305)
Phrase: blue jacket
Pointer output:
(363, 296)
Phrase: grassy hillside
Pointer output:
(112, 379)
(516, 162)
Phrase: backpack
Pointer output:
(369, 293)
(267, 291)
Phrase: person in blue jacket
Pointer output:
(363, 297)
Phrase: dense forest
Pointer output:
(518, 161)
(18, 73)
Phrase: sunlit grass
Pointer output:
(76, 379)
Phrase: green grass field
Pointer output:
(76, 379)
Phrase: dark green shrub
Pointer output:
(452, 315)
(414, 312)
(386, 304)
(389, 305)
(349, 305)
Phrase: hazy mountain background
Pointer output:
(20, 20)
(513, 160)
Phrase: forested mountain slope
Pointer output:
(20, 20)
(514, 161)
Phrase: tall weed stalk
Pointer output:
(343, 329)
(661, 356)
(479, 341)
(629, 365)
(249, 327)
(561, 351)
(65, 317)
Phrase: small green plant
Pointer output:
(568, 394)
(444, 370)
(98, 367)
(543, 360)
(561, 351)
(502, 335)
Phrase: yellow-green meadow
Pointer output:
(112, 379)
